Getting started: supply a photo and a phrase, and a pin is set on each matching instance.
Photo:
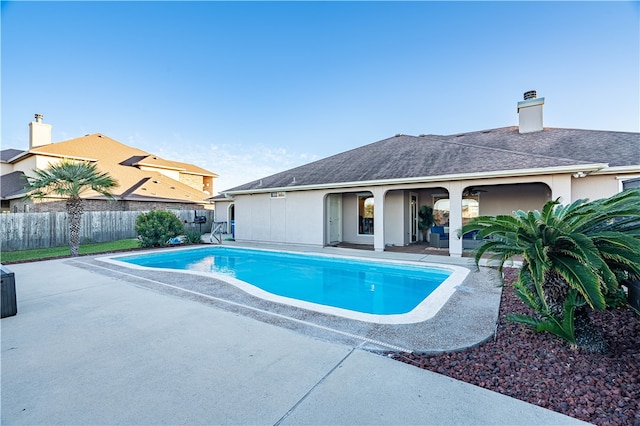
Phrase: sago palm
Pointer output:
(573, 255)
(70, 179)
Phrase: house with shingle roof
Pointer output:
(145, 181)
(372, 194)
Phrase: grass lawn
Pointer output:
(7, 257)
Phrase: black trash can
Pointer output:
(8, 284)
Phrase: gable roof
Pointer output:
(12, 185)
(120, 161)
(476, 153)
(8, 154)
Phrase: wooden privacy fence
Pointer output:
(22, 231)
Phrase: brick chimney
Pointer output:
(530, 113)
(39, 133)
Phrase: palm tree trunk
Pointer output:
(556, 290)
(75, 208)
(587, 336)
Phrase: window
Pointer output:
(365, 214)
(631, 183)
(278, 194)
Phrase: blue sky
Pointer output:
(247, 89)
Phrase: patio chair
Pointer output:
(438, 238)
(471, 240)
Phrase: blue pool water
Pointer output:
(357, 285)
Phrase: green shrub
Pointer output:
(573, 260)
(157, 227)
(193, 236)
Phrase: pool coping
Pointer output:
(468, 318)
(425, 310)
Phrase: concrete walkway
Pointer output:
(88, 348)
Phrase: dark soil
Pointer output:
(542, 370)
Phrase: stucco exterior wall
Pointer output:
(299, 217)
(6, 168)
(308, 227)
(504, 199)
(595, 187)
(27, 165)
(396, 218)
(42, 162)
(222, 211)
(296, 218)
(349, 219)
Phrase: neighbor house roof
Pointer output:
(7, 155)
(12, 185)
(121, 162)
(502, 150)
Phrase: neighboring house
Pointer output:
(372, 194)
(145, 181)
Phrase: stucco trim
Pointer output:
(617, 169)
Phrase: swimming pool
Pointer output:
(380, 291)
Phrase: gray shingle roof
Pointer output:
(486, 151)
(8, 154)
(12, 185)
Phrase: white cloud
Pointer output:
(236, 164)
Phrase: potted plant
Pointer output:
(426, 220)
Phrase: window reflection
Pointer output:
(441, 209)
(365, 214)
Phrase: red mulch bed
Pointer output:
(542, 370)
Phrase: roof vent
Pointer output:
(39, 118)
(531, 94)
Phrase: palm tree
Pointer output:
(70, 179)
(574, 256)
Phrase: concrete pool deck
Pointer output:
(95, 345)
(468, 318)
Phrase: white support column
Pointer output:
(455, 219)
(378, 218)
